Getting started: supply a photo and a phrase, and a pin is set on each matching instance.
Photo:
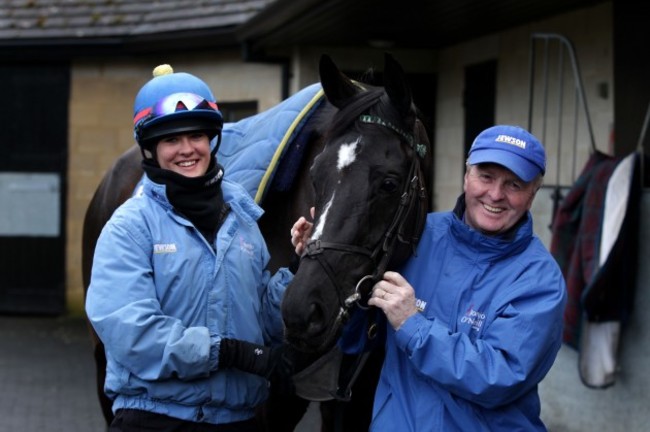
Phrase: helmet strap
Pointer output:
(149, 153)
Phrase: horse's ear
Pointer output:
(396, 85)
(338, 88)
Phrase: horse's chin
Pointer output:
(303, 346)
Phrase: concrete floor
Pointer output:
(47, 377)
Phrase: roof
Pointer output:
(428, 24)
(125, 25)
(67, 28)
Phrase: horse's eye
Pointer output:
(389, 185)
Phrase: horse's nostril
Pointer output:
(316, 319)
(315, 311)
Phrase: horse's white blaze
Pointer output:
(321, 221)
(347, 154)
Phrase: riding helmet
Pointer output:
(172, 103)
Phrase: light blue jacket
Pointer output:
(489, 329)
(161, 299)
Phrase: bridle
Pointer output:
(413, 194)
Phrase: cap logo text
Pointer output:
(511, 140)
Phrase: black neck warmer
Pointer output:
(199, 199)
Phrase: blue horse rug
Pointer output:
(264, 151)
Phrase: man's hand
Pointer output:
(396, 297)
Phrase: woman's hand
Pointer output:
(301, 232)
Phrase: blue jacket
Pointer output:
(161, 299)
(489, 330)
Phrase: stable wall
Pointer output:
(590, 31)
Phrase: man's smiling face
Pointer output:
(495, 198)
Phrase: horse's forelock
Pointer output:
(373, 101)
(346, 116)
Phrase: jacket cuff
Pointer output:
(409, 330)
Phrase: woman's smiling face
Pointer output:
(495, 198)
(187, 154)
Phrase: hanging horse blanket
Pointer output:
(252, 149)
(595, 242)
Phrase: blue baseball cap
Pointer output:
(511, 146)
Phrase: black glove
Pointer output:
(256, 359)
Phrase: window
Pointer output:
(234, 111)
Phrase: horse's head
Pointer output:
(370, 203)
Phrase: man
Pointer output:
(476, 316)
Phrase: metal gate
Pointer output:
(34, 115)
(558, 114)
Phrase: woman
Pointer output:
(179, 294)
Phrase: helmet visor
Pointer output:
(173, 103)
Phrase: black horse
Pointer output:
(366, 153)
(370, 206)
